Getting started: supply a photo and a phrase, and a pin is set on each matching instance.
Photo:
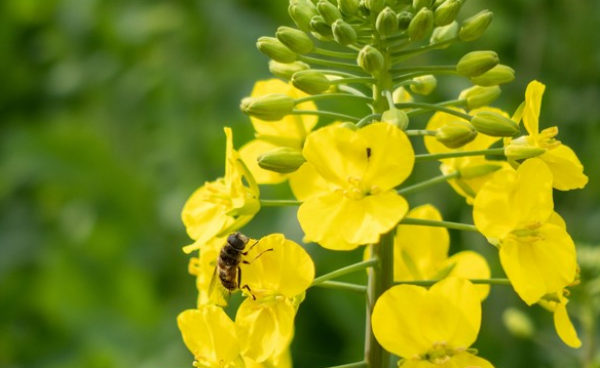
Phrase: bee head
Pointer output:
(238, 240)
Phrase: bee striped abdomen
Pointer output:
(229, 260)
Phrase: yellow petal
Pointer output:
(249, 153)
(285, 270)
(541, 266)
(420, 250)
(533, 196)
(564, 326)
(566, 168)
(470, 265)
(533, 105)
(468, 360)
(493, 211)
(204, 218)
(210, 335)
(265, 330)
(306, 182)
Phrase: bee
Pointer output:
(228, 269)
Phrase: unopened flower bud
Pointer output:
(499, 74)
(387, 23)
(348, 7)
(443, 34)
(418, 4)
(349, 125)
(285, 71)
(328, 11)
(375, 6)
(476, 63)
(518, 323)
(400, 95)
(404, 19)
(301, 12)
(494, 124)
(395, 117)
(478, 96)
(420, 25)
(446, 13)
(319, 25)
(343, 33)
(476, 171)
(474, 27)
(371, 60)
(270, 107)
(424, 84)
(455, 134)
(311, 81)
(516, 151)
(274, 49)
(283, 160)
(295, 40)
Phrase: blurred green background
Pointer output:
(111, 114)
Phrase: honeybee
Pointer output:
(228, 269)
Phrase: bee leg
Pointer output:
(255, 258)
(250, 291)
(252, 246)
(239, 280)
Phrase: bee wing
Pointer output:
(217, 294)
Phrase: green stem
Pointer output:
(279, 202)
(420, 132)
(352, 365)
(364, 80)
(381, 278)
(344, 271)
(350, 90)
(429, 69)
(440, 156)
(404, 105)
(367, 120)
(494, 281)
(335, 72)
(325, 96)
(434, 223)
(343, 286)
(403, 54)
(329, 63)
(336, 54)
(326, 114)
(428, 183)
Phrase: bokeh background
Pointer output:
(111, 114)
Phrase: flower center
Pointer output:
(356, 188)
(546, 138)
(440, 353)
(527, 232)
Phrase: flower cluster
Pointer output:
(350, 174)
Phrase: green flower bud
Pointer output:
(371, 60)
(499, 74)
(471, 172)
(404, 19)
(478, 96)
(418, 4)
(349, 125)
(423, 85)
(395, 117)
(443, 34)
(476, 63)
(301, 12)
(494, 124)
(455, 134)
(311, 81)
(318, 24)
(446, 13)
(295, 40)
(348, 7)
(328, 11)
(343, 33)
(515, 151)
(421, 25)
(283, 160)
(285, 71)
(518, 323)
(270, 107)
(274, 49)
(387, 23)
(375, 6)
(474, 27)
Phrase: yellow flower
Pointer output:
(276, 282)
(466, 187)
(204, 267)
(562, 161)
(421, 253)
(557, 304)
(514, 210)
(222, 206)
(430, 328)
(353, 201)
(210, 335)
(291, 131)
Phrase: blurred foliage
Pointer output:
(111, 114)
